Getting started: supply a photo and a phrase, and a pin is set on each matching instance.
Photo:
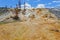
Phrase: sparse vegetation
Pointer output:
(37, 27)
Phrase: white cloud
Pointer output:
(57, 6)
(49, 3)
(36, 0)
(57, 1)
(26, 6)
(50, 7)
(40, 6)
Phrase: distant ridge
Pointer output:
(55, 11)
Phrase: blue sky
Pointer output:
(33, 3)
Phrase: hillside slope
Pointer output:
(42, 25)
(30, 30)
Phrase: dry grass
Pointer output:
(41, 28)
(30, 30)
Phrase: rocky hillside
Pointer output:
(55, 11)
(40, 25)
(3, 10)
